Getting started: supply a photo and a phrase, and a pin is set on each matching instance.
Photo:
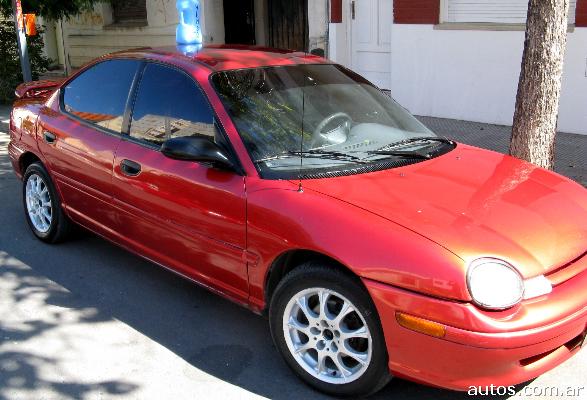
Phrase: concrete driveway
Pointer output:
(87, 320)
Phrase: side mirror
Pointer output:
(197, 148)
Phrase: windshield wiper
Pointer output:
(416, 140)
(406, 154)
(389, 149)
(323, 154)
(328, 152)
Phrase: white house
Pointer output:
(454, 58)
(297, 24)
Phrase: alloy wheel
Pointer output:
(38, 202)
(327, 335)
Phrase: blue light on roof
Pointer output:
(188, 30)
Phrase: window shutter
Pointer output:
(581, 13)
(335, 11)
(129, 10)
(416, 11)
(493, 11)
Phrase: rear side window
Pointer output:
(99, 94)
(169, 104)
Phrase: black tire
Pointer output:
(320, 275)
(60, 225)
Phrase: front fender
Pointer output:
(282, 218)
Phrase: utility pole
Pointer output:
(21, 39)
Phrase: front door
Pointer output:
(239, 22)
(185, 215)
(371, 22)
(80, 136)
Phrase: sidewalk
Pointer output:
(571, 149)
(4, 116)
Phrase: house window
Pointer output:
(129, 12)
(491, 11)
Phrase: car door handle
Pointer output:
(49, 137)
(130, 168)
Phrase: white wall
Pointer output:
(50, 40)
(573, 107)
(318, 24)
(339, 40)
(212, 20)
(90, 35)
(473, 75)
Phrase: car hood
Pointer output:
(477, 203)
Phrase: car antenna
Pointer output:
(300, 188)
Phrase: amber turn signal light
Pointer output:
(420, 325)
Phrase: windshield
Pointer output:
(328, 116)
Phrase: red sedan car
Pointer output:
(294, 187)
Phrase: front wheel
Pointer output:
(327, 329)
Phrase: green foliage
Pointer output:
(10, 71)
(50, 9)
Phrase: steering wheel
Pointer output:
(334, 136)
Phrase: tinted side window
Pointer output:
(169, 104)
(99, 94)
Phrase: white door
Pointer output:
(371, 40)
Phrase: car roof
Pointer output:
(226, 57)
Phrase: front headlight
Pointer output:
(494, 284)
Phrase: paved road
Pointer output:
(86, 320)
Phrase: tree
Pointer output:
(50, 9)
(537, 102)
(10, 72)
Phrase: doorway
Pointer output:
(288, 24)
(239, 22)
(371, 40)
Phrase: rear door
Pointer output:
(79, 139)
(182, 214)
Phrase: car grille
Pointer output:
(569, 270)
(570, 346)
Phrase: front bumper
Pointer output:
(511, 349)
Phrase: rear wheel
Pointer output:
(42, 206)
(326, 327)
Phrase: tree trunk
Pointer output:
(536, 114)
